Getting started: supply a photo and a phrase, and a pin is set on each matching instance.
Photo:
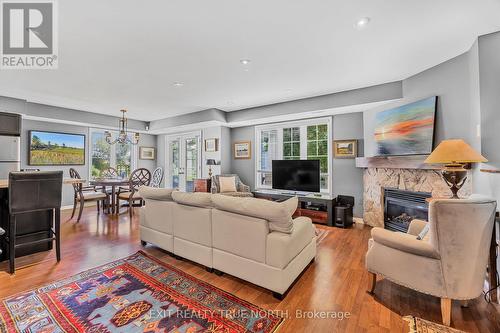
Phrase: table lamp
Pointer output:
(456, 155)
(210, 162)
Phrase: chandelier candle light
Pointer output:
(123, 137)
(456, 155)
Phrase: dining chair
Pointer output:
(86, 193)
(157, 177)
(34, 192)
(109, 173)
(139, 177)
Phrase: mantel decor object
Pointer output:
(456, 155)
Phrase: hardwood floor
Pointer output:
(336, 281)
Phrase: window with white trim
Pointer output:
(122, 157)
(307, 139)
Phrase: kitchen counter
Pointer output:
(4, 183)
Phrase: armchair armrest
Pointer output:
(243, 188)
(404, 242)
(416, 227)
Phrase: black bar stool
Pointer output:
(2, 232)
(34, 192)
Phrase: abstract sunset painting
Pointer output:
(407, 129)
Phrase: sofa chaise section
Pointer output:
(252, 239)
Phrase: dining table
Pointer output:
(110, 183)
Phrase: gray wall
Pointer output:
(489, 76)
(347, 179)
(83, 170)
(488, 71)
(244, 168)
(451, 82)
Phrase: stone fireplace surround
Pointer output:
(420, 180)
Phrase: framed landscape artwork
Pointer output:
(345, 148)
(147, 153)
(407, 129)
(242, 149)
(54, 148)
(211, 145)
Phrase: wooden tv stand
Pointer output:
(317, 207)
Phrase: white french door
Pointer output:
(183, 162)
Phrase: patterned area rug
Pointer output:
(134, 294)
(419, 325)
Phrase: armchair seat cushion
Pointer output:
(88, 196)
(126, 196)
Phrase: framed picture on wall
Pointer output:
(345, 148)
(55, 148)
(211, 145)
(147, 153)
(242, 149)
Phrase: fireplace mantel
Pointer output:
(396, 162)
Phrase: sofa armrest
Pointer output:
(416, 227)
(404, 242)
(281, 247)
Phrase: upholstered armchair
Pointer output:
(449, 262)
(242, 190)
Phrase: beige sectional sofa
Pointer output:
(253, 239)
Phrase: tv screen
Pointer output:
(406, 130)
(53, 148)
(296, 175)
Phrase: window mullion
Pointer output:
(303, 142)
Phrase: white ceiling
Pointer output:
(128, 53)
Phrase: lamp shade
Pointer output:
(211, 161)
(454, 151)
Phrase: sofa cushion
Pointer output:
(197, 199)
(279, 214)
(153, 193)
(227, 184)
(241, 235)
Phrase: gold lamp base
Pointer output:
(455, 176)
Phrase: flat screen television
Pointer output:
(407, 129)
(296, 175)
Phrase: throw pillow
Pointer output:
(227, 184)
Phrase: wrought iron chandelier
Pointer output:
(123, 137)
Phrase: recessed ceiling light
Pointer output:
(245, 61)
(178, 84)
(362, 23)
